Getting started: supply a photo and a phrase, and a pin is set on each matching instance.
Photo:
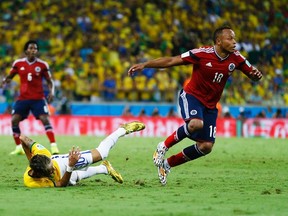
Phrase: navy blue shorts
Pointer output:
(192, 108)
(37, 107)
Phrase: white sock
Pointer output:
(109, 142)
(91, 171)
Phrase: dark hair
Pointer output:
(40, 166)
(30, 42)
(218, 31)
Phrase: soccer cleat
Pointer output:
(18, 151)
(162, 173)
(159, 154)
(112, 172)
(133, 126)
(54, 149)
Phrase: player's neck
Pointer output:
(220, 52)
(31, 59)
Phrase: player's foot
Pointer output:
(112, 172)
(54, 149)
(133, 126)
(163, 171)
(18, 151)
(159, 154)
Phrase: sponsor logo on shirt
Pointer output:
(22, 68)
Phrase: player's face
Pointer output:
(31, 50)
(227, 41)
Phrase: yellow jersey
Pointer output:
(29, 181)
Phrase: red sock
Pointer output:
(176, 160)
(50, 135)
(171, 140)
(17, 138)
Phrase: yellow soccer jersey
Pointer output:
(37, 148)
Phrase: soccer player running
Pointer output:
(31, 70)
(45, 170)
(212, 66)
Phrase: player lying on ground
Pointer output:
(45, 170)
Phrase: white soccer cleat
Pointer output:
(163, 171)
(159, 154)
(133, 126)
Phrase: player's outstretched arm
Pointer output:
(26, 144)
(162, 62)
(255, 74)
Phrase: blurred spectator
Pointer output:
(142, 113)
(172, 113)
(226, 112)
(127, 112)
(278, 114)
(155, 112)
(109, 34)
(109, 87)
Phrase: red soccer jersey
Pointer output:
(31, 77)
(210, 73)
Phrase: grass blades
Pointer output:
(240, 177)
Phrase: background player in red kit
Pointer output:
(31, 70)
(212, 66)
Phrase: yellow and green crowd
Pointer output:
(90, 45)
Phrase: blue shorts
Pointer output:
(37, 107)
(192, 108)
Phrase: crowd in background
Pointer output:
(90, 45)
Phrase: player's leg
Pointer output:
(201, 148)
(192, 114)
(20, 112)
(104, 168)
(102, 151)
(40, 110)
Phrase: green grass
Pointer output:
(239, 177)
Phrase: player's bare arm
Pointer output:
(26, 144)
(51, 87)
(6, 80)
(255, 74)
(162, 62)
(74, 156)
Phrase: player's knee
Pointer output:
(194, 125)
(205, 147)
(44, 119)
(103, 152)
(15, 120)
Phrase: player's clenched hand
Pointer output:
(74, 156)
(50, 98)
(134, 68)
(255, 74)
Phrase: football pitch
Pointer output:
(240, 177)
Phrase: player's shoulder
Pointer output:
(238, 56)
(42, 62)
(203, 49)
(19, 61)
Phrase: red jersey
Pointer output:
(31, 77)
(210, 73)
